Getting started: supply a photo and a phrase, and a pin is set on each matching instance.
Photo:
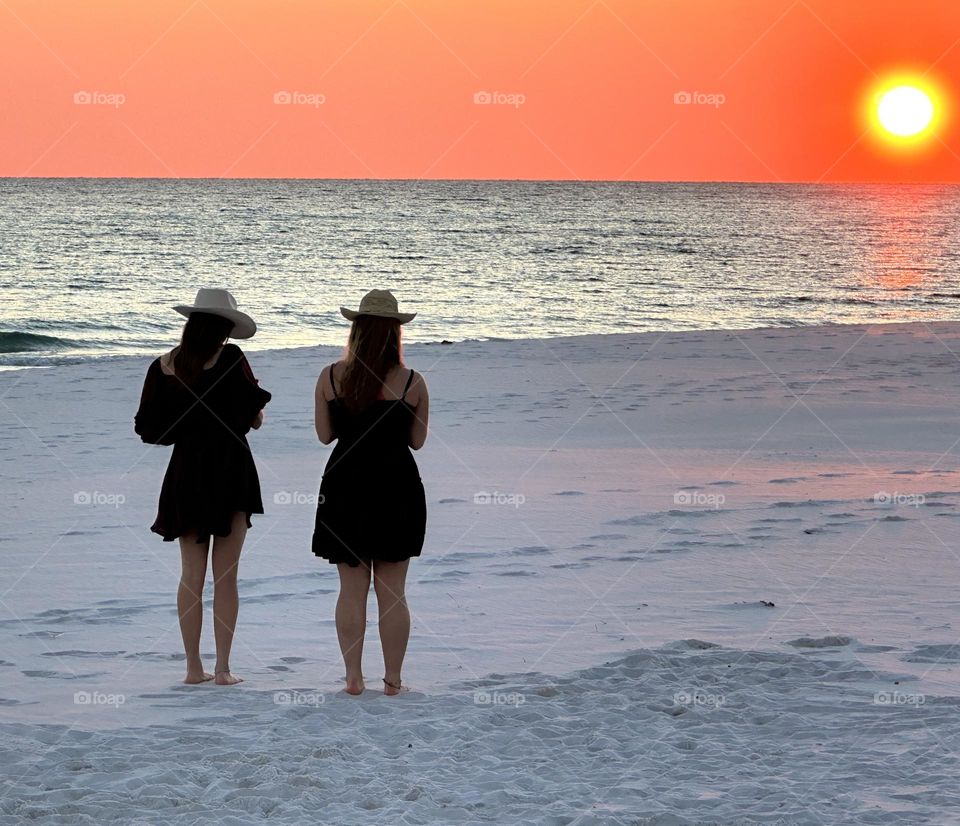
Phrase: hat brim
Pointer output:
(351, 315)
(243, 325)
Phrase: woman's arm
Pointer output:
(421, 412)
(156, 420)
(321, 416)
(251, 397)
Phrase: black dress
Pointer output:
(372, 504)
(211, 475)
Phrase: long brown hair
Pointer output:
(203, 334)
(373, 348)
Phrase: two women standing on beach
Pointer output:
(202, 398)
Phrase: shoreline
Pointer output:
(52, 360)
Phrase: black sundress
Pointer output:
(211, 475)
(372, 504)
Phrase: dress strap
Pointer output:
(407, 387)
(333, 387)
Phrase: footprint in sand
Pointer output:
(942, 653)
(832, 641)
(59, 675)
(529, 550)
(155, 656)
(463, 556)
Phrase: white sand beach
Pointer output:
(679, 578)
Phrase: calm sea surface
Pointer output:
(92, 267)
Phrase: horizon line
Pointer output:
(475, 180)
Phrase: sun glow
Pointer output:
(905, 110)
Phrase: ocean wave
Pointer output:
(20, 342)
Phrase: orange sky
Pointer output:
(397, 80)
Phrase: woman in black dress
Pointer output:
(372, 512)
(203, 399)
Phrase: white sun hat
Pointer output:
(379, 303)
(223, 304)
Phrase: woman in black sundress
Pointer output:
(203, 399)
(372, 512)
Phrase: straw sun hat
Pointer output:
(379, 303)
(221, 303)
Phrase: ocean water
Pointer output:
(92, 267)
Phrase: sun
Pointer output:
(905, 109)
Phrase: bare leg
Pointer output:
(352, 621)
(389, 580)
(226, 601)
(193, 564)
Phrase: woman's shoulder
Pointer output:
(230, 356)
(415, 377)
(334, 369)
(328, 375)
(164, 362)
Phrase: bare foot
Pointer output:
(354, 685)
(393, 687)
(226, 678)
(196, 677)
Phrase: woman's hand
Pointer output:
(257, 421)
